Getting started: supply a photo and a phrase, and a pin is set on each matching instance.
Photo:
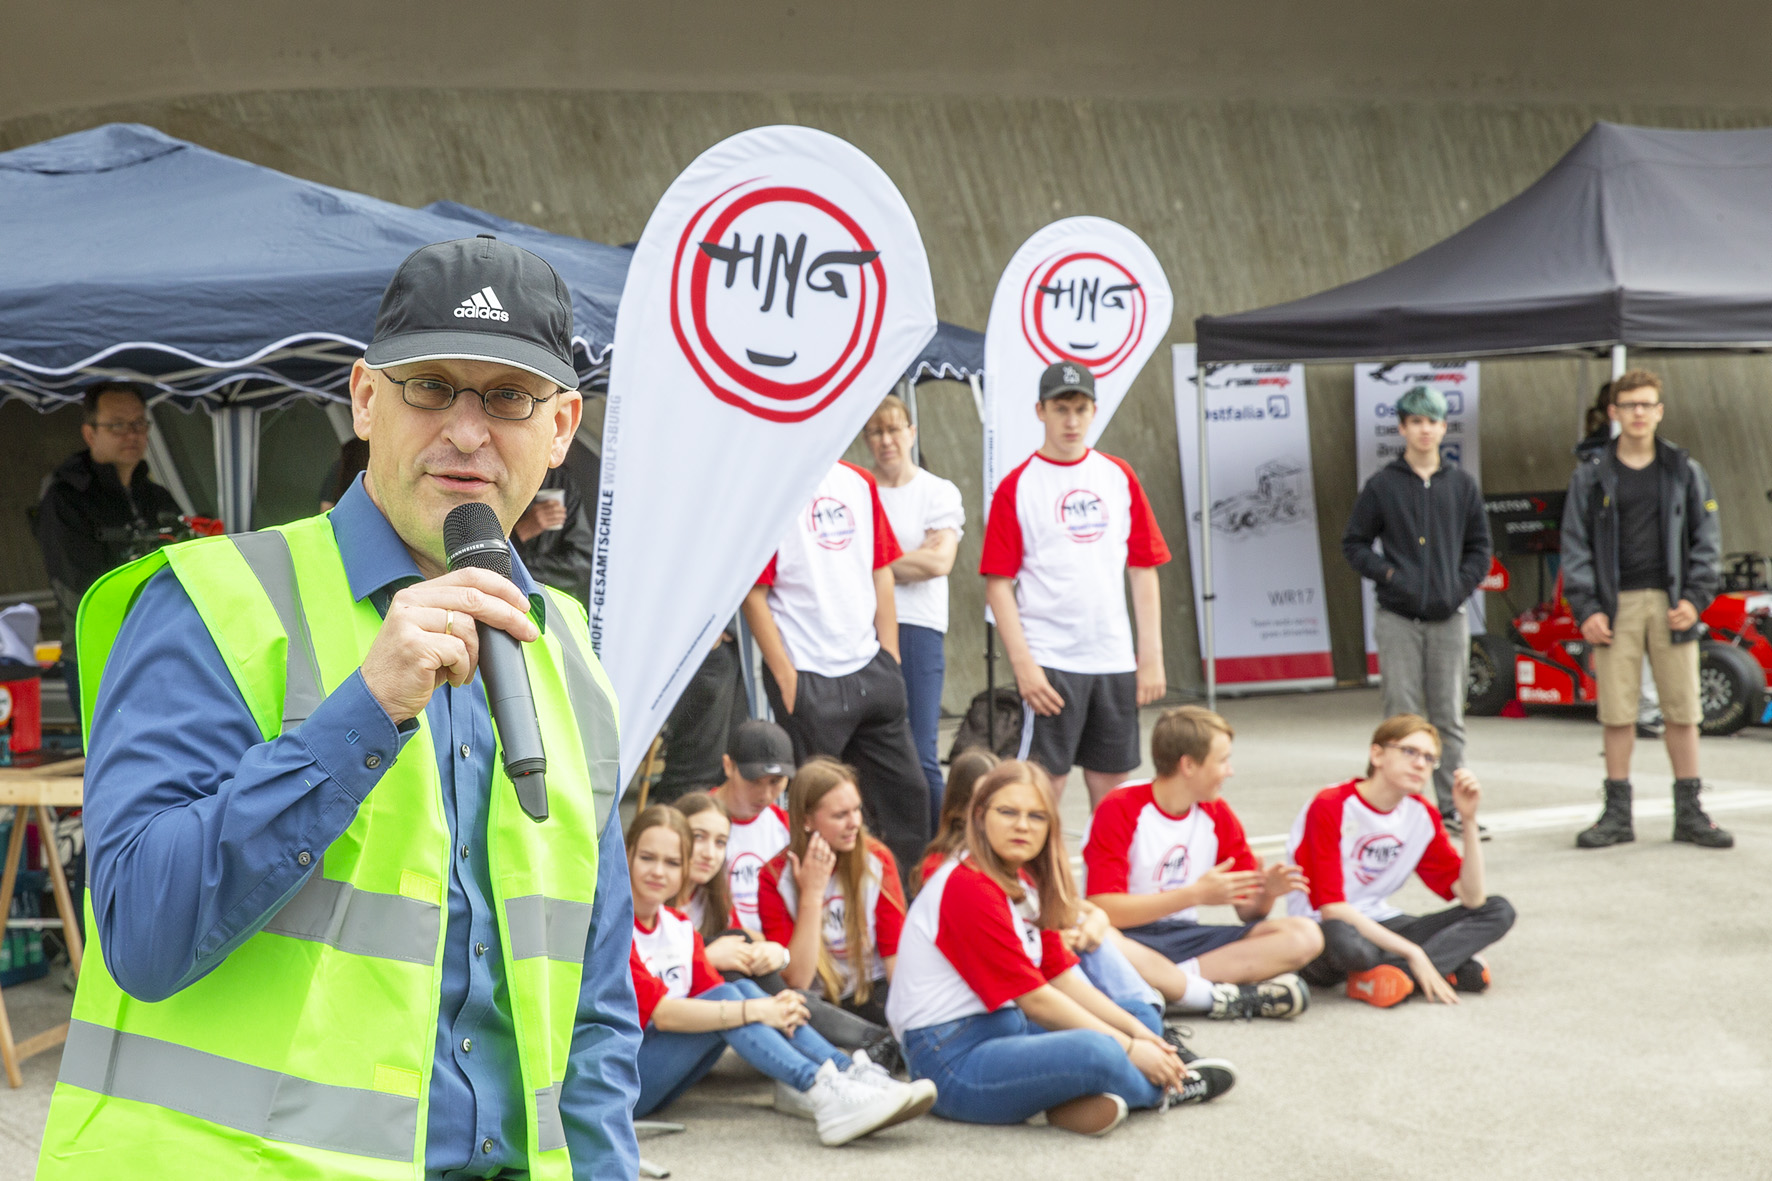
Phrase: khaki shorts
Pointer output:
(1641, 626)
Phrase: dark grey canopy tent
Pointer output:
(1638, 238)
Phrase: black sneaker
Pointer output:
(1173, 1034)
(1455, 827)
(1471, 976)
(885, 1054)
(1282, 997)
(1652, 730)
(1206, 1080)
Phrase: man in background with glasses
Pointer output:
(1641, 549)
(99, 505)
(1359, 842)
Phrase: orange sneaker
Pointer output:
(1383, 986)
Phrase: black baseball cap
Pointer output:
(1066, 377)
(476, 299)
(759, 749)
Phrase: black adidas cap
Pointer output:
(1066, 377)
(476, 299)
(760, 749)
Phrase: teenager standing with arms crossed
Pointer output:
(1067, 530)
(927, 517)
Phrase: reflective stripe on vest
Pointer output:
(362, 922)
(268, 555)
(539, 925)
(236, 1095)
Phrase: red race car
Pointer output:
(1544, 660)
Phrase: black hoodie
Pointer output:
(83, 499)
(1435, 536)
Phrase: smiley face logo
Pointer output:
(1084, 307)
(777, 299)
(830, 522)
(1082, 515)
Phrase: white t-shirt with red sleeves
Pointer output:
(750, 847)
(967, 949)
(1135, 847)
(778, 898)
(916, 509)
(1353, 853)
(821, 580)
(669, 960)
(1066, 532)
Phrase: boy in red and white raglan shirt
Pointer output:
(1066, 529)
(1159, 849)
(1359, 841)
(823, 614)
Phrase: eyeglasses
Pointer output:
(1415, 754)
(880, 432)
(1015, 816)
(133, 426)
(428, 393)
(1635, 407)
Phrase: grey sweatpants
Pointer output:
(1424, 667)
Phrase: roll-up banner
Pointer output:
(779, 291)
(1376, 390)
(1085, 290)
(1271, 623)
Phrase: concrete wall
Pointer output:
(1245, 201)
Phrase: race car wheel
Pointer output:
(1490, 683)
(1730, 686)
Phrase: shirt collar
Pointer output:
(376, 560)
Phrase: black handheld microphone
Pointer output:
(472, 536)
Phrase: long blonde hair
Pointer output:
(816, 779)
(716, 892)
(1050, 868)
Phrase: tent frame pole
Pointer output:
(1620, 361)
(1207, 594)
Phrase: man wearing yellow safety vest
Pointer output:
(334, 944)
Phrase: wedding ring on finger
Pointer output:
(448, 622)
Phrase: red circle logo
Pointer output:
(830, 522)
(1083, 306)
(1374, 854)
(777, 299)
(1083, 515)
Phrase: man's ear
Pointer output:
(362, 395)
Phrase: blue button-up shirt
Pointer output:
(197, 828)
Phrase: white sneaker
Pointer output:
(846, 1109)
(871, 1074)
(795, 1103)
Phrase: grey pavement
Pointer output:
(1624, 1034)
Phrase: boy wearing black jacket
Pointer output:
(1430, 523)
(1641, 544)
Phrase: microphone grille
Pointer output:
(472, 536)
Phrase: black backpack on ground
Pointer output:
(975, 726)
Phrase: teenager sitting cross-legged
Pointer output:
(1159, 849)
(986, 1001)
(691, 1016)
(741, 954)
(1359, 842)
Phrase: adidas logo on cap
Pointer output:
(482, 305)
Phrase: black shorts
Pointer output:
(1097, 729)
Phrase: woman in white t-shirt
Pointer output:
(987, 1002)
(690, 1016)
(928, 518)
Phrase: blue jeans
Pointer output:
(671, 1063)
(1111, 972)
(1001, 1068)
(924, 664)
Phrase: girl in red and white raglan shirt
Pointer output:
(824, 615)
(691, 1016)
(983, 962)
(1066, 530)
(833, 896)
(1359, 842)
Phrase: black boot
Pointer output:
(1690, 822)
(1613, 826)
